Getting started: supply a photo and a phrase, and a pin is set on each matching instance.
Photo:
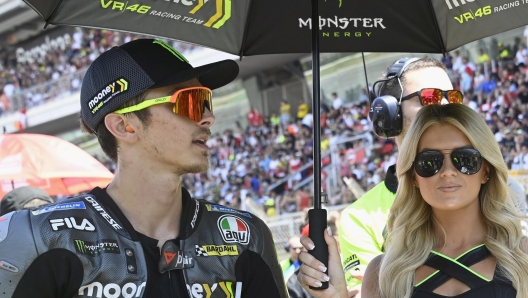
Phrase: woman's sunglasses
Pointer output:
(190, 102)
(431, 96)
(466, 160)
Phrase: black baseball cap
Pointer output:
(23, 197)
(123, 72)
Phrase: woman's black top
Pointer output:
(447, 268)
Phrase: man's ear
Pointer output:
(117, 125)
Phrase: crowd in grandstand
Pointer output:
(28, 83)
(268, 161)
(245, 162)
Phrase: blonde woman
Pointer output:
(452, 231)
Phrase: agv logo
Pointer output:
(233, 229)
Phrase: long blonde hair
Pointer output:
(411, 226)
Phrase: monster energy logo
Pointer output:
(340, 3)
(96, 248)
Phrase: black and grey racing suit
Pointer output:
(80, 248)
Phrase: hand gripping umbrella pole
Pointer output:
(317, 215)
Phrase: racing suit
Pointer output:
(85, 247)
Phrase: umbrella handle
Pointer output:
(317, 221)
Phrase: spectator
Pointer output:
(488, 86)
(521, 56)
(25, 197)
(302, 110)
(254, 117)
(285, 113)
(447, 60)
(288, 202)
(457, 61)
(483, 58)
(293, 248)
(520, 161)
(337, 102)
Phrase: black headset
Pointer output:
(385, 111)
(287, 247)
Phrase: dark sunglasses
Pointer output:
(431, 96)
(466, 160)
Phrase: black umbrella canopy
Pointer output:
(277, 26)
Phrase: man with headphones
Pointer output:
(290, 264)
(409, 84)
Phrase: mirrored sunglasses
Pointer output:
(466, 160)
(190, 102)
(430, 96)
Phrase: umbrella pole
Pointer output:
(317, 216)
(316, 106)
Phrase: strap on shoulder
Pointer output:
(449, 269)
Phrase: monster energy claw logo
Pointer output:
(96, 248)
(340, 3)
(80, 246)
(172, 50)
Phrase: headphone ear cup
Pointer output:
(287, 247)
(386, 116)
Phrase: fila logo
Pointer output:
(77, 223)
(455, 2)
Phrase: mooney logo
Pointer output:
(112, 89)
(103, 213)
(96, 289)
(96, 248)
(233, 229)
(455, 2)
(77, 223)
(216, 250)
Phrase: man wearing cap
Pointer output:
(143, 235)
(24, 197)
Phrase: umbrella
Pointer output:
(50, 163)
(276, 26)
